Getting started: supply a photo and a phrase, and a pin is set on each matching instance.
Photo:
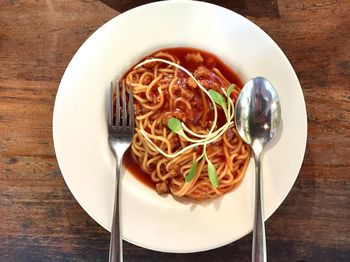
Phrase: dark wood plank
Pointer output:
(41, 221)
(255, 8)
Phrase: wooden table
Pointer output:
(39, 218)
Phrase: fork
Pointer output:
(120, 134)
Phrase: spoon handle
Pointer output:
(259, 242)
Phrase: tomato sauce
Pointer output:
(210, 61)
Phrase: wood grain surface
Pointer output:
(39, 218)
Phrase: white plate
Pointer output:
(80, 134)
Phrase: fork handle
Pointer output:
(116, 241)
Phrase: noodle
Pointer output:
(163, 91)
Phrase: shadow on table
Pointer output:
(252, 8)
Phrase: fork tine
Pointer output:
(124, 112)
(110, 106)
(117, 105)
(131, 108)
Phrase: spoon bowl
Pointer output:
(258, 118)
(258, 112)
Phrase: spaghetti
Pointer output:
(174, 83)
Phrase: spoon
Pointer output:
(257, 118)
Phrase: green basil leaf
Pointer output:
(174, 124)
(230, 89)
(218, 98)
(213, 177)
(192, 172)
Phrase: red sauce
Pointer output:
(210, 61)
(133, 167)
